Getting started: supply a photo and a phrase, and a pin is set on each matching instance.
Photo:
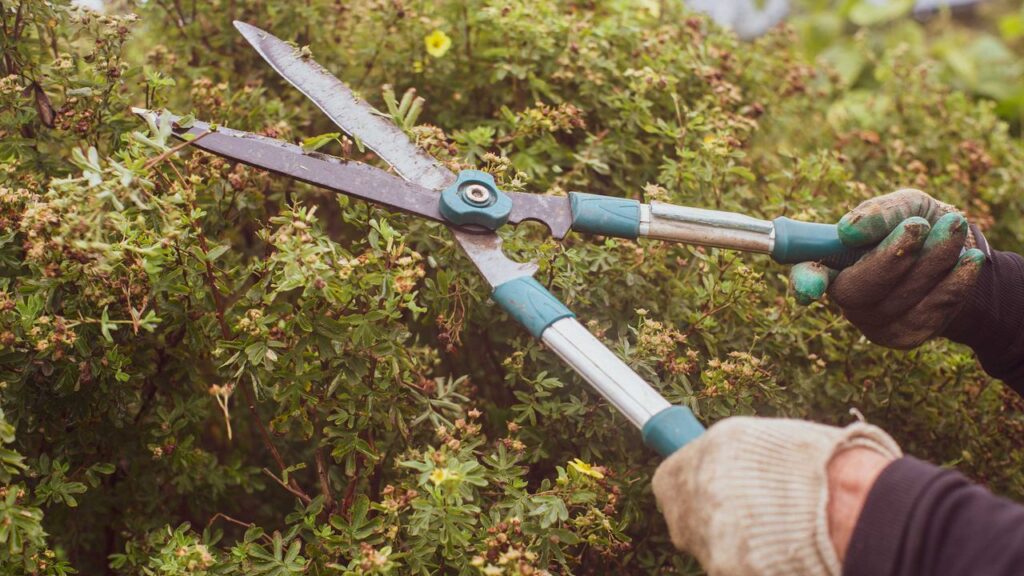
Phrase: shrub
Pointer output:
(208, 369)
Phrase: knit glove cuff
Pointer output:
(750, 496)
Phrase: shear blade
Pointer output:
(376, 131)
(348, 177)
(338, 101)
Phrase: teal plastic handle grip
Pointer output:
(671, 429)
(530, 304)
(596, 214)
(797, 241)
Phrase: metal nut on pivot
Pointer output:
(476, 194)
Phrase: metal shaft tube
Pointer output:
(706, 227)
(625, 389)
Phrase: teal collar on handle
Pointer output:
(530, 304)
(797, 242)
(596, 214)
(671, 429)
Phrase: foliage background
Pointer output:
(206, 370)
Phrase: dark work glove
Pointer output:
(909, 287)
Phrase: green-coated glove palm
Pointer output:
(909, 287)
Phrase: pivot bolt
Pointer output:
(474, 200)
(476, 194)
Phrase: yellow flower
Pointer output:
(439, 475)
(585, 469)
(652, 6)
(437, 43)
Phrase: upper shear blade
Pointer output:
(336, 100)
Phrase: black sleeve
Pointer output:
(920, 519)
(992, 320)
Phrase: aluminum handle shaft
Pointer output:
(706, 227)
(609, 375)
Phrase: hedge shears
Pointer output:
(474, 208)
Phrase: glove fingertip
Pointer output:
(858, 229)
(868, 225)
(971, 257)
(909, 234)
(950, 228)
(810, 280)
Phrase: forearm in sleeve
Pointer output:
(992, 320)
(921, 519)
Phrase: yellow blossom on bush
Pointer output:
(439, 475)
(437, 43)
(585, 469)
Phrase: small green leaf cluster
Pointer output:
(976, 54)
(208, 369)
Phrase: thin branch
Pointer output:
(322, 472)
(17, 22)
(292, 486)
(167, 154)
(325, 481)
(223, 396)
(298, 493)
(350, 490)
(178, 22)
(211, 282)
(180, 13)
(732, 299)
(235, 521)
(218, 301)
(376, 52)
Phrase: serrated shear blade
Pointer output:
(348, 111)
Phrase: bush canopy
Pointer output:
(208, 369)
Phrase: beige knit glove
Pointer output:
(750, 496)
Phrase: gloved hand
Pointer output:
(750, 496)
(913, 283)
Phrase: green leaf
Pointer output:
(743, 172)
(290, 469)
(869, 13)
(106, 326)
(256, 352)
(848, 59)
(216, 252)
(293, 552)
(318, 142)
